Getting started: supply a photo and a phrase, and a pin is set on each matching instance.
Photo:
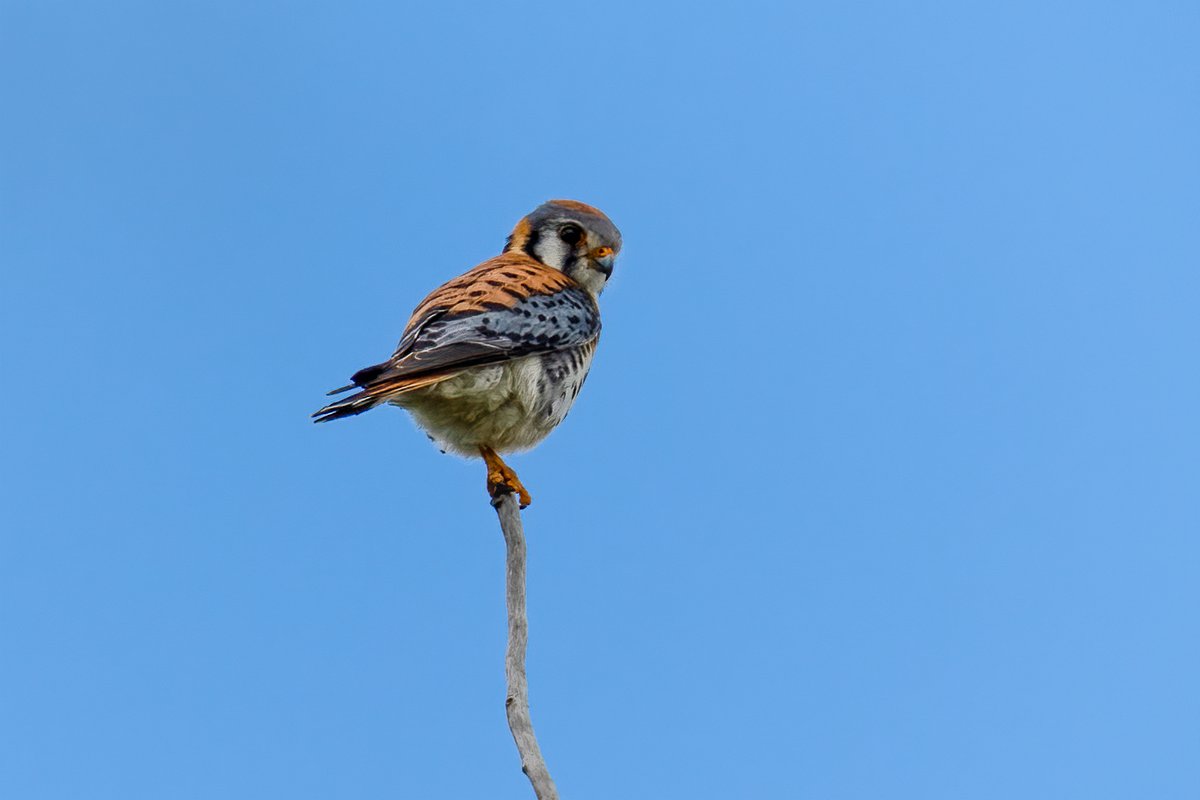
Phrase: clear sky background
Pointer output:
(884, 483)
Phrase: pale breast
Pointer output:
(563, 374)
(508, 407)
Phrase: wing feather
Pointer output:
(508, 307)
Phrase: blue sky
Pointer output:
(884, 483)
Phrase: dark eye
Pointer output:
(571, 234)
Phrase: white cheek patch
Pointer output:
(551, 250)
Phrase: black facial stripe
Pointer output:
(531, 244)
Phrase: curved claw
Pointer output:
(501, 478)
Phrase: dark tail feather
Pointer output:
(354, 404)
(377, 384)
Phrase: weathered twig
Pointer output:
(517, 702)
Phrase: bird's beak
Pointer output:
(603, 256)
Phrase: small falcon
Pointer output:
(491, 361)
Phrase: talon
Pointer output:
(501, 478)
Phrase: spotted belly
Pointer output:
(508, 407)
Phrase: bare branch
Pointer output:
(517, 702)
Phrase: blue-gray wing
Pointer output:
(506, 308)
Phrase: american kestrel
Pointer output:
(491, 361)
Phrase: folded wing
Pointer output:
(506, 308)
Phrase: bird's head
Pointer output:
(572, 237)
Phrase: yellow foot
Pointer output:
(501, 479)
